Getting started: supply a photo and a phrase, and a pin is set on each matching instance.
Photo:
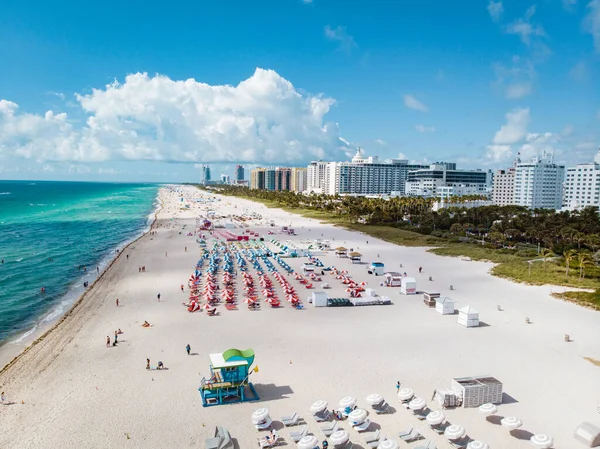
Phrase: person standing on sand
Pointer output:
(397, 387)
(147, 363)
(420, 269)
(117, 302)
(107, 341)
(158, 296)
(188, 348)
(166, 254)
(116, 337)
(2, 398)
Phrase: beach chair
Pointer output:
(290, 420)
(364, 426)
(271, 442)
(329, 429)
(384, 407)
(221, 440)
(414, 435)
(460, 444)
(429, 445)
(421, 414)
(322, 416)
(299, 434)
(370, 439)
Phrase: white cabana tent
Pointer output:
(468, 317)
(588, 434)
(319, 299)
(408, 286)
(444, 305)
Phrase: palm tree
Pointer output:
(546, 254)
(584, 260)
(569, 256)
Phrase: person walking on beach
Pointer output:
(107, 341)
(186, 249)
(182, 287)
(98, 270)
(116, 337)
(397, 387)
(158, 296)
(188, 348)
(147, 363)
(420, 269)
(166, 254)
(117, 302)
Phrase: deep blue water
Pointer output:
(49, 231)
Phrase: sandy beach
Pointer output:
(70, 390)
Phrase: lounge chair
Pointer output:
(460, 444)
(364, 426)
(290, 420)
(221, 440)
(440, 428)
(373, 438)
(329, 429)
(299, 434)
(429, 445)
(414, 435)
(384, 407)
(421, 414)
(271, 442)
(322, 416)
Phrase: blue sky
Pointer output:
(429, 80)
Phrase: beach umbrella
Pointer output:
(260, 415)
(388, 444)
(417, 404)
(339, 437)
(206, 307)
(405, 394)
(454, 432)
(318, 406)
(348, 401)
(435, 418)
(308, 442)
(542, 441)
(476, 444)
(357, 416)
(363, 283)
(488, 409)
(374, 399)
(511, 422)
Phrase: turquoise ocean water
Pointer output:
(48, 232)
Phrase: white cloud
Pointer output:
(515, 128)
(340, 35)
(425, 129)
(568, 130)
(79, 169)
(524, 28)
(591, 22)
(108, 171)
(498, 153)
(515, 80)
(579, 72)
(401, 156)
(536, 144)
(496, 10)
(263, 119)
(586, 145)
(381, 142)
(412, 103)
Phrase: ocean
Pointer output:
(50, 231)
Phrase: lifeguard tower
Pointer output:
(228, 383)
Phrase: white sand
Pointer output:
(79, 394)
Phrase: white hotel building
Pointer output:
(582, 185)
(539, 184)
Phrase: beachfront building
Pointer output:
(206, 174)
(503, 190)
(582, 185)
(225, 179)
(299, 179)
(273, 178)
(539, 183)
(239, 173)
(443, 179)
(257, 178)
(360, 176)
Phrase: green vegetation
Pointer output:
(531, 246)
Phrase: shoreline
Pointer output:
(42, 330)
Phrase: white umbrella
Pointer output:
(308, 442)
(339, 437)
(388, 444)
(435, 418)
(511, 422)
(488, 409)
(348, 401)
(542, 441)
(475, 444)
(374, 399)
(260, 415)
(357, 416)
(318, 406)
(417, 404)
(454, 432)
(405, 394)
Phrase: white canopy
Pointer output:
(357, 416)
(308, 442)
(511, 422)
(454, 432)
(475, 444)
(417, 404)
(348, 401)
(388, 444)
(260, 415)
(374, 399)
(488, 409)
(542, 441)
(318, 406)
(405, 394)
(435, 418)
(339, 437)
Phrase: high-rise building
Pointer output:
(503, 191)
(582, 185)
(443, 179)
(273, 178)
(257, 178)
(299, 175)
(360, 176)
(206, 174)
(283, 179)
(539, 183)
(225, 178)
(239, 173)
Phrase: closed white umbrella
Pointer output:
(308, 442)
(348, 401)
(511, 422)
(339, 437)
(475, 444)
(374, 399)
(435, 418)
(318, 406)
(388, 444)
(405, 394)
(357, 416)
(488, 409)
(542, 441)
(260, 415)
(454, 432)
(417, 404)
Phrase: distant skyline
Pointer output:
(120, 94)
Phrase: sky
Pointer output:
(149, 91)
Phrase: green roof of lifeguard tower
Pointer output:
(232, 357)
